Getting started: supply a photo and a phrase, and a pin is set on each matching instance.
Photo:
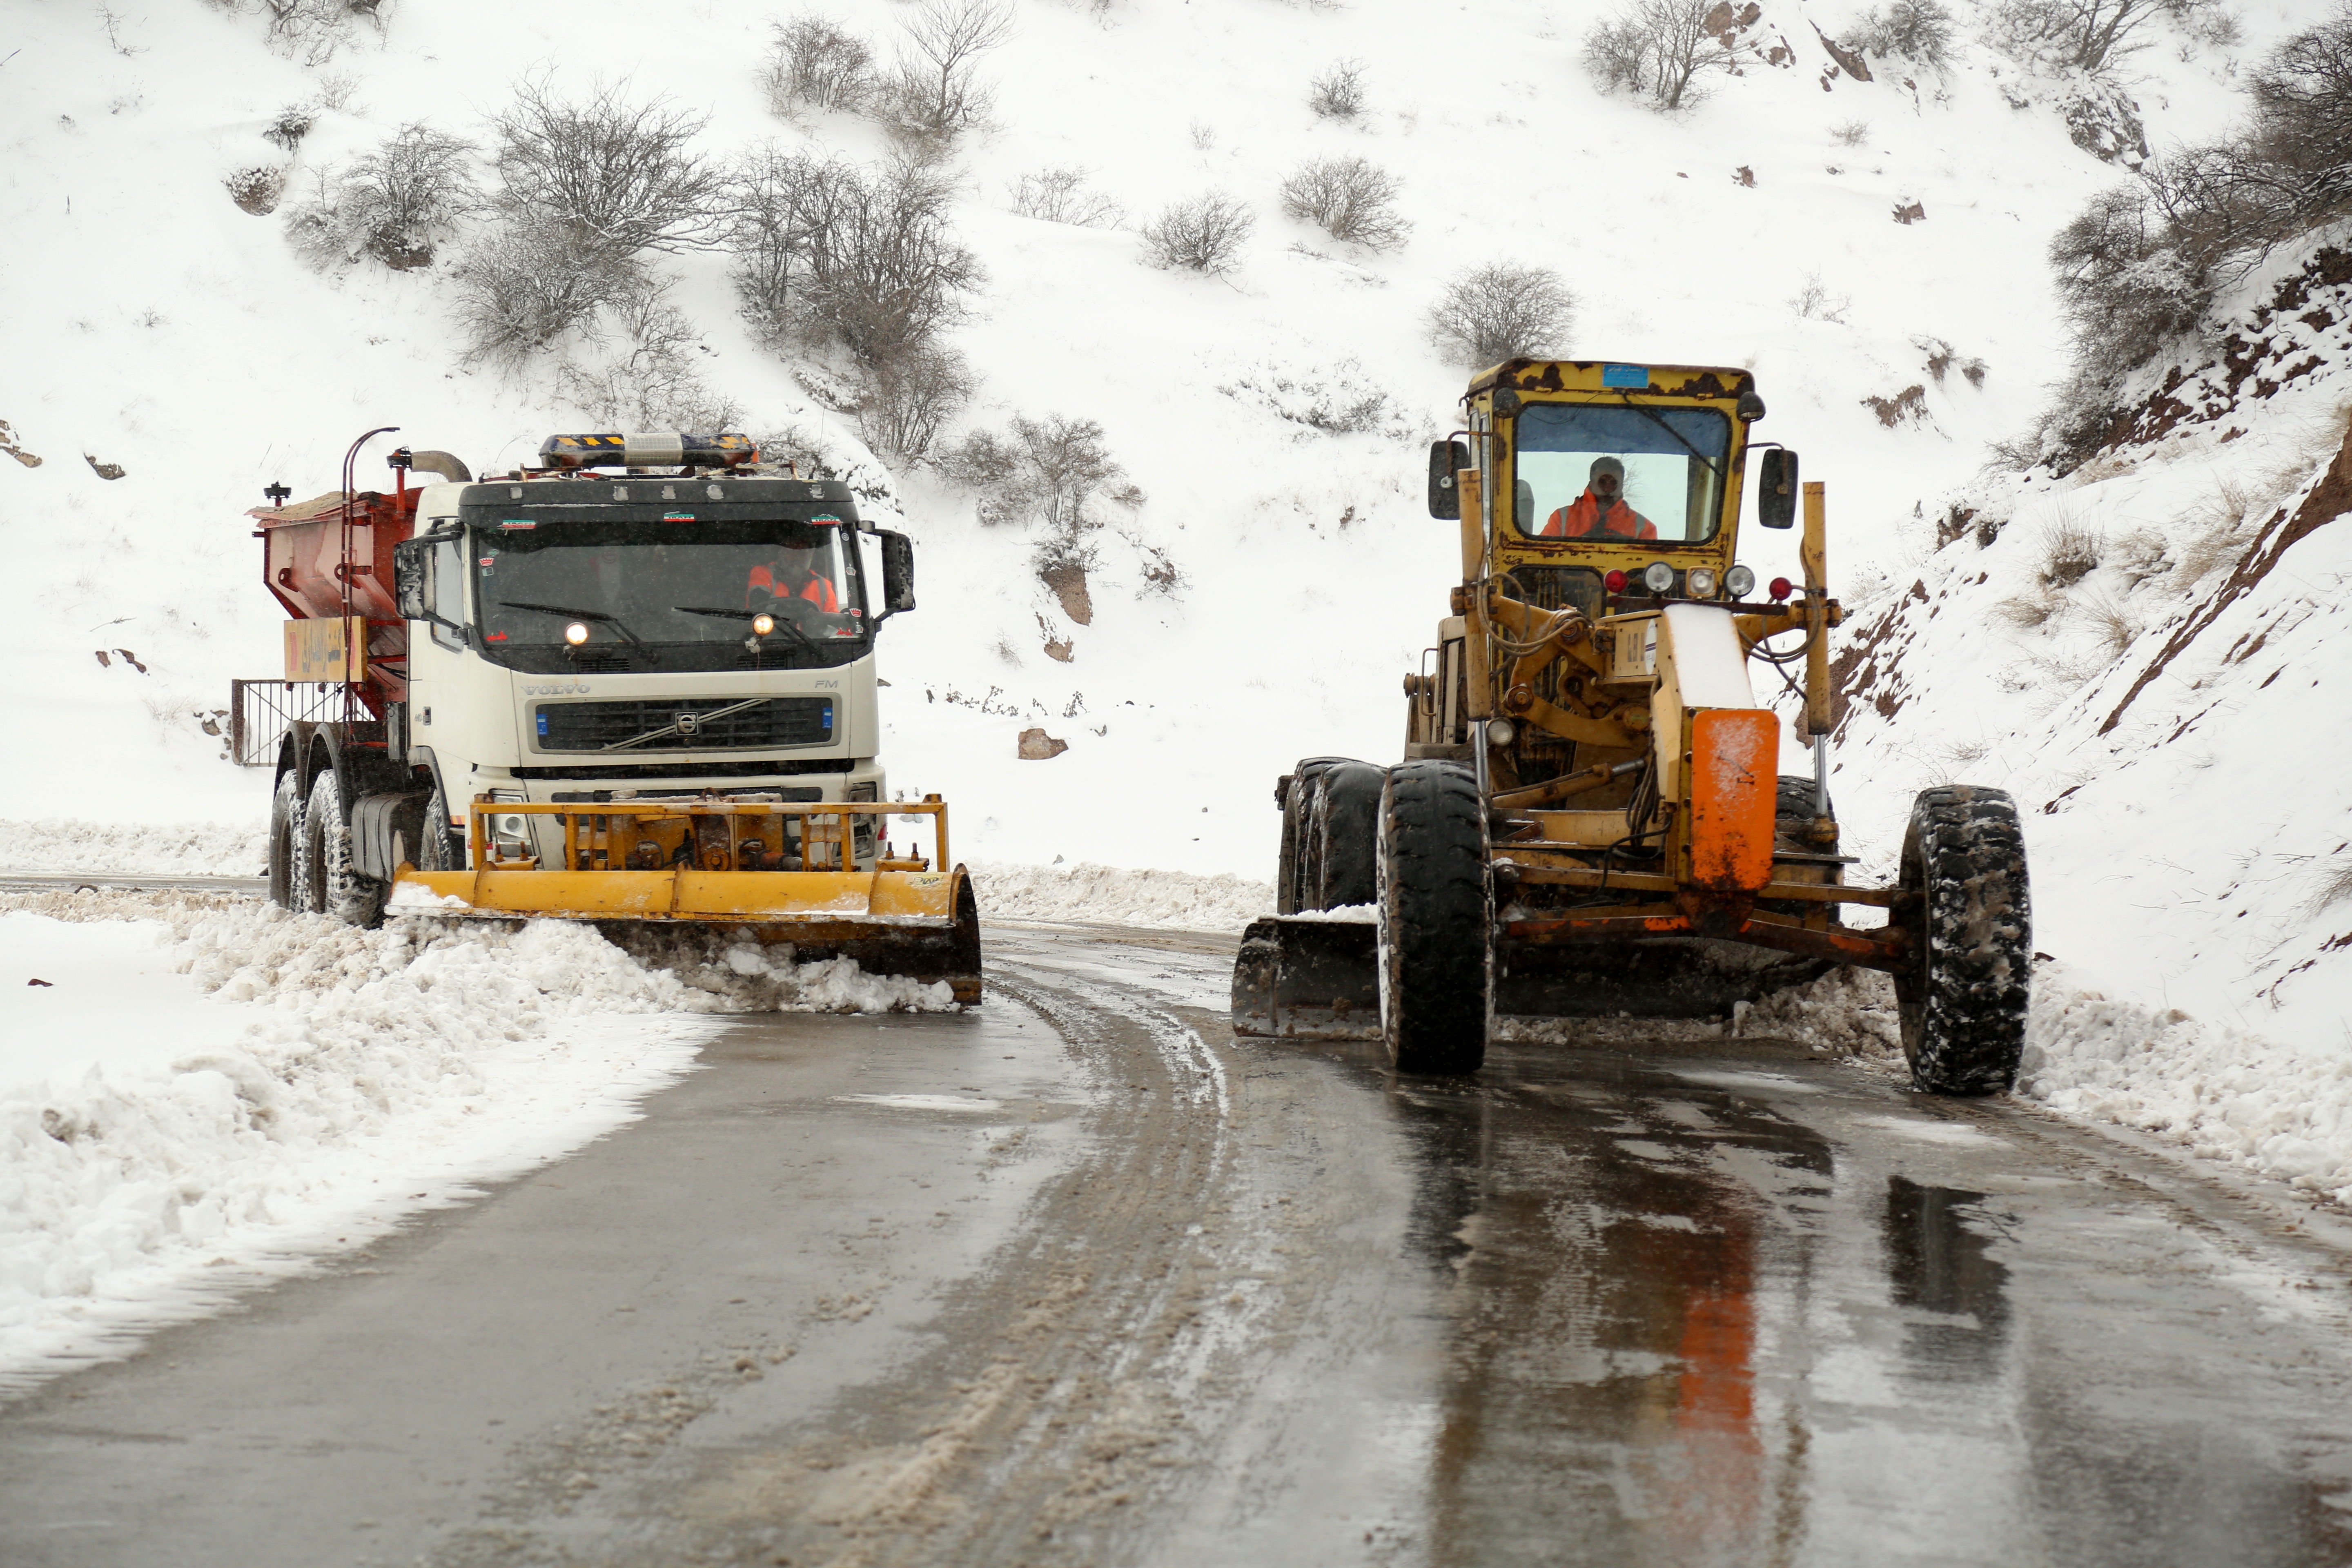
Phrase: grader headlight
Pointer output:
(1700, 581)
(1658, 577)
(1739, 582)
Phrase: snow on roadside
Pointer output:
(174, 849)
(357, 1075)
(1112, 895)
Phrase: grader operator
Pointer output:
(1588, 818)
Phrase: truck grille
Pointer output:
(776, 722)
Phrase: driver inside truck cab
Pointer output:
(792, 574)
(1601, 509)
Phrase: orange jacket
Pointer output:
(1582, 517)
(818, 590)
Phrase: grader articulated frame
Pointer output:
(1590, 818)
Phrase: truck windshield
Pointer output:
(1619, 474)
(667, 595)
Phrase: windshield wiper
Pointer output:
(611, 621)
(782, 624)
(1652, 416)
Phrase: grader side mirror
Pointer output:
(1446, 459)
(1775, 489)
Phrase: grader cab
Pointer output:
(1590, 817)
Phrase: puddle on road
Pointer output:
(919, 1102)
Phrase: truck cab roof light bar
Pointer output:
(642, 450)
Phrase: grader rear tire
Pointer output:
(1295, 872)
(1962, 998)
(1345, 822)
(1436, 916)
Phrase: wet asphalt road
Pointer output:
(1078, 1278)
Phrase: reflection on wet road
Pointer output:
(1078, 1278)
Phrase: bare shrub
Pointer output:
(1853, 133)
(1909, 407)
(310, 30)
(2303, 112)
(290, 125)
(615, 178)
(1060, 195)
(1920, 31)
(526, 285)
(1659, 48)
(837, 257)
(257, 189)
(650, 381)
(1203, 235)
(903, 404)
(2071, 551)
(1943, 359)
(1338, 93)
(1049, 471)
(933, 94)
(1351, 198)
(813, 63)
(2082, 37)
(1812, 301)
(1500, 311)
(397, 205)
(1334, 402)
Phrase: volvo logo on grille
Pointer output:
(688, 723)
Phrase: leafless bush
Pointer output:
(1660, 49)
(813, 63)
(2083, 37)
(2071, 551)
(2303, 113)
(1203, 235)
(526, 285)
(649, 382)
(615, 178)
(257, 189)
(1340, 402)
(1920, 31)
(1813, 301)
(1909, 407)
(290, 125)
(933, 94)
(1353, 200)
(1498, 311)
(837, 257)
(1338, 93)
(1853, 133)
(1050, 471)
(397, 205)
(310, 30)
(903, 404)
(1060, 195)
(1943, 359)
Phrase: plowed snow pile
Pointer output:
(230, 1084)
(1111, 895)
(181, 849)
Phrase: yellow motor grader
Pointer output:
(1590, 818)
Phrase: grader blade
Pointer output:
(1308, 980)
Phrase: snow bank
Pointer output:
(1111, 896)
(187, 849)
(303, 1082)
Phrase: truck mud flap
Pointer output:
(1308, 980)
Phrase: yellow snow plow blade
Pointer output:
(767, 869)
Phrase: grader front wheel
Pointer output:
(1962, 996)
(1435, 918)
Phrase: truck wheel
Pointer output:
(285, 809)
(439, 850)
(339, 890)
(1436, 916)
(1346, 824)
(1962, 996)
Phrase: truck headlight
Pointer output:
(576, 633)
(1739, 582)
(762, 624)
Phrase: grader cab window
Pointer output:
(1625, 474)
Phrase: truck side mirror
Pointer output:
(1775, 489)
(897, 572)
(410, 564)
(1446, 459)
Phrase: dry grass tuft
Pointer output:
(2027, 611)
(2071, 551)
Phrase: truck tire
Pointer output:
(1294, 872)
(339, 890)
(1962, 995)
(1345, 821)
(439, 849)
(1435, 919)
(285, 809)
